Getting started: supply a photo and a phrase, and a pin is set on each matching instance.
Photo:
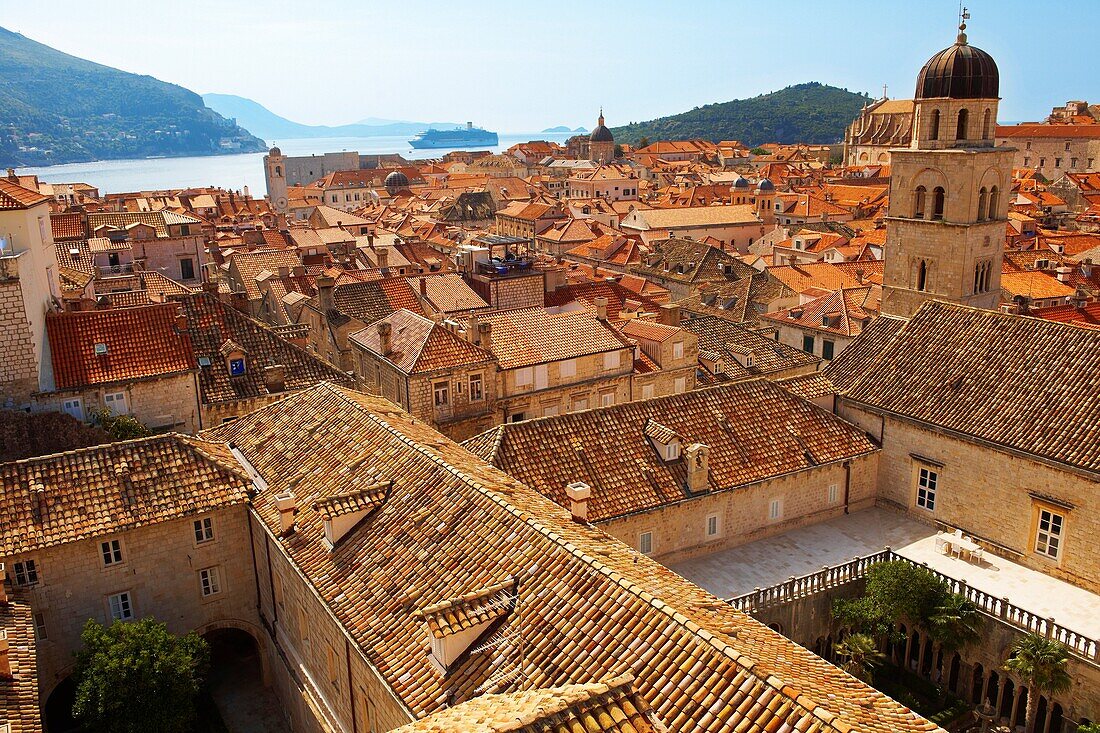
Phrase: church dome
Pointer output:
(961, 71)
(765, 185)
(601, 134)
(741, 182)
(275, 152)
(396, 181)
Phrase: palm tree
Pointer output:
(1041, 664)
(955, 622)
(862, 656)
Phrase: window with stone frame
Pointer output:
(26, 573)
(121, 606)
(928, 479)
(441, 394)
(204, 530)
(1049, 532)
(111, 552)
(477, 388)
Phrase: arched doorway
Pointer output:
(1006, 699)
(953, 674)
(977, 686)
(237, 685)
(59, 708)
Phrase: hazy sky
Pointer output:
(522, 66)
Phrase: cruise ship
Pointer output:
(458, 138)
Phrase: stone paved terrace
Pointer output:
(772, 560)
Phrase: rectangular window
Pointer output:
(808, 343)
(111, 551)
(678, 350)
(517, 417)
(441, 394)
(826, 349)
(607, 399)
(1027, 162)
(1057, 162)
(1048, 533)
(679, 385)
(74, 407)
(927, 480)
(40, 627)
(611, 360)
(523, 376)
(121, 607)
(477, 392)
(549, 410)
(1073, 162)
(581, 403)
(26, 573)
(568, 368)
(116, 402)
(204, 530)
(187, 269)
(645, 543)
(832, 493)
(211, 584)
(775, 509)
(647, 391)
(712, 525)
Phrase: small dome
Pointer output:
(741, 182)
(765, 185)
(601, 135)
(396, 181)
(275, 152)
(961, 71)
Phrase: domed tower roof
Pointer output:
(961, 71)
(765, 185)
(275, 152)
(741, 182)
(396, 181)
(601, 134)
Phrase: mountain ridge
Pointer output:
(811, 112)
(60, 108)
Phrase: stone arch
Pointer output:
(962, 125)
(864, 158)
(914, 651)
(939, 202)
(953, 676)
(922, 275)
(776, 627)
(883, 158)
(994, 202)
(987, 124)
(1007, 695)
(1042, 710)
(920, 201)
(252, 630)
(57, 705)
(977, 684)
(1057, 718)
(983, 203)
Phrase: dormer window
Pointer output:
(235, 358)
(454, 626)
(236, 367)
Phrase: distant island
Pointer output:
(259, 120)
(564, 128)
(811, 113)
(59, 108)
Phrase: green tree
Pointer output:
(137, 677)
(1089, 728)
(120, 427)
(760, 151)
(643, 141)
(955, 622)
(901, 591)
(1041, 664)
(861, 656)
(618, 150)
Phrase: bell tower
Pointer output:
(601, 143)
(949, 188)
(275, 173)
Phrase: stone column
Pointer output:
(1017, 695)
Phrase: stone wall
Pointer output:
(19, 367)
(165, 403)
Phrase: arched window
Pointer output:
(994, 209)
(278, 171)
(978, 277)
(934, 127)
(983, 201)
(919, 197)
(922, 276)
(960, 131)
(987, 124)
(937, 202)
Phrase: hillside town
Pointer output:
(580, 436)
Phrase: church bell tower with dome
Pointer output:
(601, 143)
(275, 173)
(949, 188)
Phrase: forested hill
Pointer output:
(56, 108)
(810, 113)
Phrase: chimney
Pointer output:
(181, 321)
(385, 337)
(579, 494)
(325, 285)
(299, 270)
(39, 508)
(383, 257)
(698, 459)
(485, 335)
(423, 287)
(5, 659)
(601, 308)
(287, 505)
(210, 286)
(11, 174)
(1063, 273)
(275, 378)
(670, 314)
(284, 272)
(471, 328)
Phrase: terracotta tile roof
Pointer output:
(372, 300)
(586, 293)
(844, 312)
(159, 220)
(688, 261)
(808, 386)
(466, 611)
(419, 344)
(731, 342)
(852, 362)
(364, 499)
(528, 336)
(597, 707)
(249, 265)
(1042, 130)
(587, 606)
(140, 343)
(211, 324)
(73, 279)
(755, 430)
(449, 293)
(823, 275)
(19, 706)
(67, 226)
(937, 371)
(698, 216)
(1033, 284)
(13, 196)
(1088, 314)
(75, 255)
(110, 488)
(649, 330)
